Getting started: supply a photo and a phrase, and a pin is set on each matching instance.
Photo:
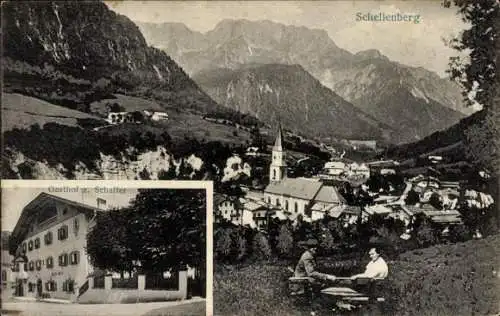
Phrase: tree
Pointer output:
(285, 241)
(107, 244)
(478, 76)
(223, 243)
(261, 249)
(326, 241)
(177, 218)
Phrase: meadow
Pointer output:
(447, 279)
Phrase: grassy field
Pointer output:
(189, 309)
(128, 103)
(23, 111)
(457, 279)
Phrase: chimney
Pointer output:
(101, 203)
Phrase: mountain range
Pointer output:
(59, 51)
(287, 94)
(414, 102)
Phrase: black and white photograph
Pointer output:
(98, 248)
(352, 148)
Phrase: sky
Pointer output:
(415, 44)
(15, 199)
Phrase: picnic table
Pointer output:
(357, 291)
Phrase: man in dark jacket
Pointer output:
(306, 267)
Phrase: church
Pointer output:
(306, 196)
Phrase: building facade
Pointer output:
(277, 169)
(297, 196)
(53, 232)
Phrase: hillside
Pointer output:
(74, 53)
(19, 111)
(410, 99)
(457, 279)
(448, 142)
(291, 95)
(413, 101)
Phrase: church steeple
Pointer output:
(277, 170)
(277, 143)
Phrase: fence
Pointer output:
(130, 283)
(99, 282)
(159, 282)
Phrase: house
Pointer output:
(224, 206)
(7, 261)
(425, 182)
(52, 235)
(120, 117)
(359, 170)
(156, 116)
(435, 159)
(363, 144)
(159, 116)
(335, 168)
(380, 164)
(253, 151)
(347, 214)
(378, 209)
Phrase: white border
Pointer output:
(143, 184)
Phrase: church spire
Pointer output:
(277, 169)
(279, 138)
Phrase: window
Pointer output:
(286, 205)
(50, 263)
(65, 211)
(269, 200)
(75, 257)
(274, 174)
(69, 286)
(24, 247)
(38, 264)
(51, 286)
(31, 266)
(278, 202)
(296, 207)
(4, 275)
(25, 266)
(62, 233)
(30, 245)
(48, 238)
(31, 287)
(63, 260)
(76, 226)
(37, 243)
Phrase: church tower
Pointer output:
(277, 170)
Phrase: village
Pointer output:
(378, 187)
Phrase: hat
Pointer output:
(310, 243)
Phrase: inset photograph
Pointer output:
(72, 249)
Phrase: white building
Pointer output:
(294, 196)
(120, 117)
(52, 232)
(335, 168)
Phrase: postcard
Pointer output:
(344, 155)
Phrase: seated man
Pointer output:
(375, 269)
(306, 267)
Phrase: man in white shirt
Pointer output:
(376, 269)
